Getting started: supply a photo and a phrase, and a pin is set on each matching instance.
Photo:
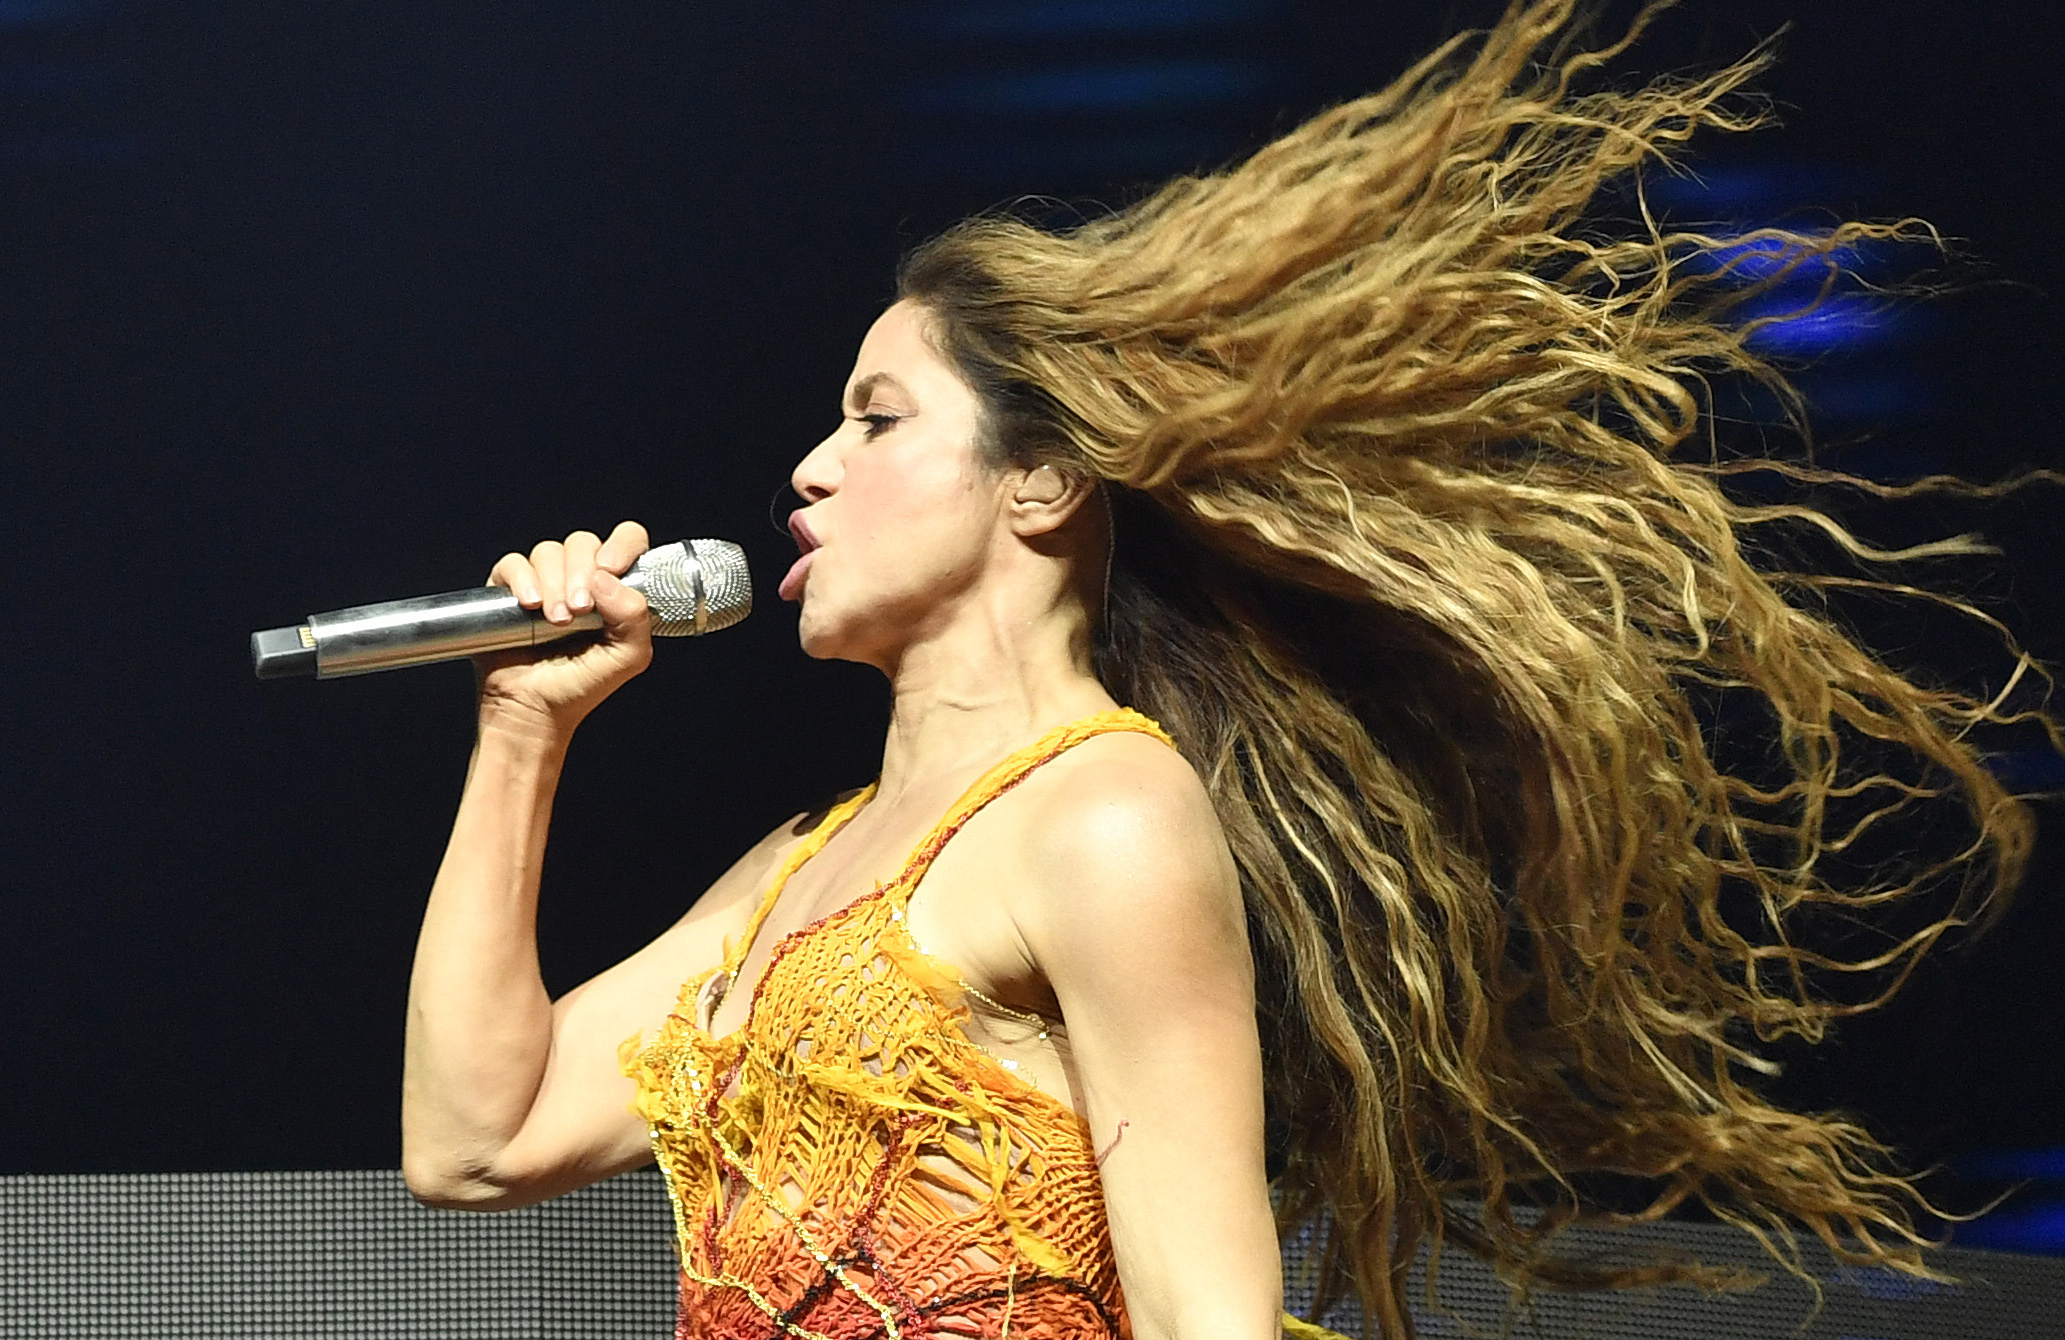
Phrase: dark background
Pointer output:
(304, 306)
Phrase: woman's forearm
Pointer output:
(479, 1021)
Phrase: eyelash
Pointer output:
(878, 424)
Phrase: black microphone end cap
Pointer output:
(282, 653)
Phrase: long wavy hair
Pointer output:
(1424, 557)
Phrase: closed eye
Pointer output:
(878, 424)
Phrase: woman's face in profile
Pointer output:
(900, 510)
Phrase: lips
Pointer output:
(799, 527)
(792, 583)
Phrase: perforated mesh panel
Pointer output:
(1998, 1297)
(326, 1254)
(289, 1255)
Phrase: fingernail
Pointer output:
(578, 598)
(559, 614)
(530, 595)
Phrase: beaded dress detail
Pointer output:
(847, 1163)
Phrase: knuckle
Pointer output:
(583, 537)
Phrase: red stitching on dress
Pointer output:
(713, 1253)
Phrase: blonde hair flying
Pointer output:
(1419, 559)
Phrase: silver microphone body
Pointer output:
(691, 586)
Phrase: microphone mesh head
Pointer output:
(693, 586)
(727, 587)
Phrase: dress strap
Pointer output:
(1013, 770)
(834, 820)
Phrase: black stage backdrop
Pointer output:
(311, 305)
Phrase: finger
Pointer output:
(580, 550)
(513, 573)
(623, 547)
(548, 560)
(622, 607)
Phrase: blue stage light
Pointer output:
(2038, 1228)
(2020, 1165)
(1757, 261)
(1839, 321)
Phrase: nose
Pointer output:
(817, 474)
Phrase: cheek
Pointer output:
(915, 523)
(923, 496)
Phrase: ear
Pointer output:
(1044, 498)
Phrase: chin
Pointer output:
(826, 638)
(819, 636)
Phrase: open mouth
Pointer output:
(792, 583)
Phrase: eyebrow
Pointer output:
(857, 398)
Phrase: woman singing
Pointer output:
(1309, 597)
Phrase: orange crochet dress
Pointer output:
(848, 1163)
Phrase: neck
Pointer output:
(992, 680)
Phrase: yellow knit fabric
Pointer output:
(848, 1163)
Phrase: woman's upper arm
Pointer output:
(1136, 922)
(581, 1128)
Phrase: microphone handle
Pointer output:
(417, 631)
(691, 587)
(443, 627)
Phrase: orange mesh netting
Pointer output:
(848, 1163)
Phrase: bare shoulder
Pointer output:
(1121, 834)
(1122, 790)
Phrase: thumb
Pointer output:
(618, 604)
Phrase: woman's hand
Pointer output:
(551, 688)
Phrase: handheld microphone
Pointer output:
(692, 586)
